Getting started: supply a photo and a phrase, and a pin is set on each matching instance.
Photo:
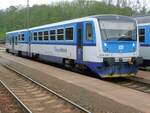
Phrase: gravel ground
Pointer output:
(8, 103)
(2, 45)
(87, 99)
(144, 74)
(37, 99)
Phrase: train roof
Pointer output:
(61, 23)
(16, 31)
(143, 20)
(103, 16)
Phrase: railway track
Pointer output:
(147, 68)
(9, 103)
(2, 49)
(38, 98)
(133, 83)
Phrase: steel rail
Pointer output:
(132, 83)
(25, 108)
(51, 91)
(141, 80)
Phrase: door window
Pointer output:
(69, 33)
(141, 35)
(89, 31)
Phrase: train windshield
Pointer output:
(118, 30)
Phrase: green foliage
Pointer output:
(15, 17)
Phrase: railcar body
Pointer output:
(144, 34)
(105, 44)
(16, 42)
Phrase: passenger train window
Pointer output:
(141, 35)
(35, 35)
(16, 40)
(40, 35)
(19, 37)
(32, 36)
(45, 35)
(60, 34)
(89, 32)
(69, 33)
(22, 35)
(52, 34)
(10, 38)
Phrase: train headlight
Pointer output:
(105, 44)
(133, 44)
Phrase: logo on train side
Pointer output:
(120, 47)
(64, 50)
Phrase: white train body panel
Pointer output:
(91, 56)
(62, 51)
(145, 52)
(8, 46)
(21, 47)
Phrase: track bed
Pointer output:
(8, 103)
(133, 83)
(37, 98)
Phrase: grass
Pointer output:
(2, 35)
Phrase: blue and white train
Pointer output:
(144, 38)
(105, 44)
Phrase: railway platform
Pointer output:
(107, 96)
(2, 49)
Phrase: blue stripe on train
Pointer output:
(58, 43)
(145, 45)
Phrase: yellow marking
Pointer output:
(118, 75)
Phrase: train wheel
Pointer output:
(7, 50)
(69, 64)
(19, 53)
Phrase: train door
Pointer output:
(13, 44)
(80, 42)
(29, 44)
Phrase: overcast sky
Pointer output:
(6, 3)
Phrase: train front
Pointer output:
(119, 46)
